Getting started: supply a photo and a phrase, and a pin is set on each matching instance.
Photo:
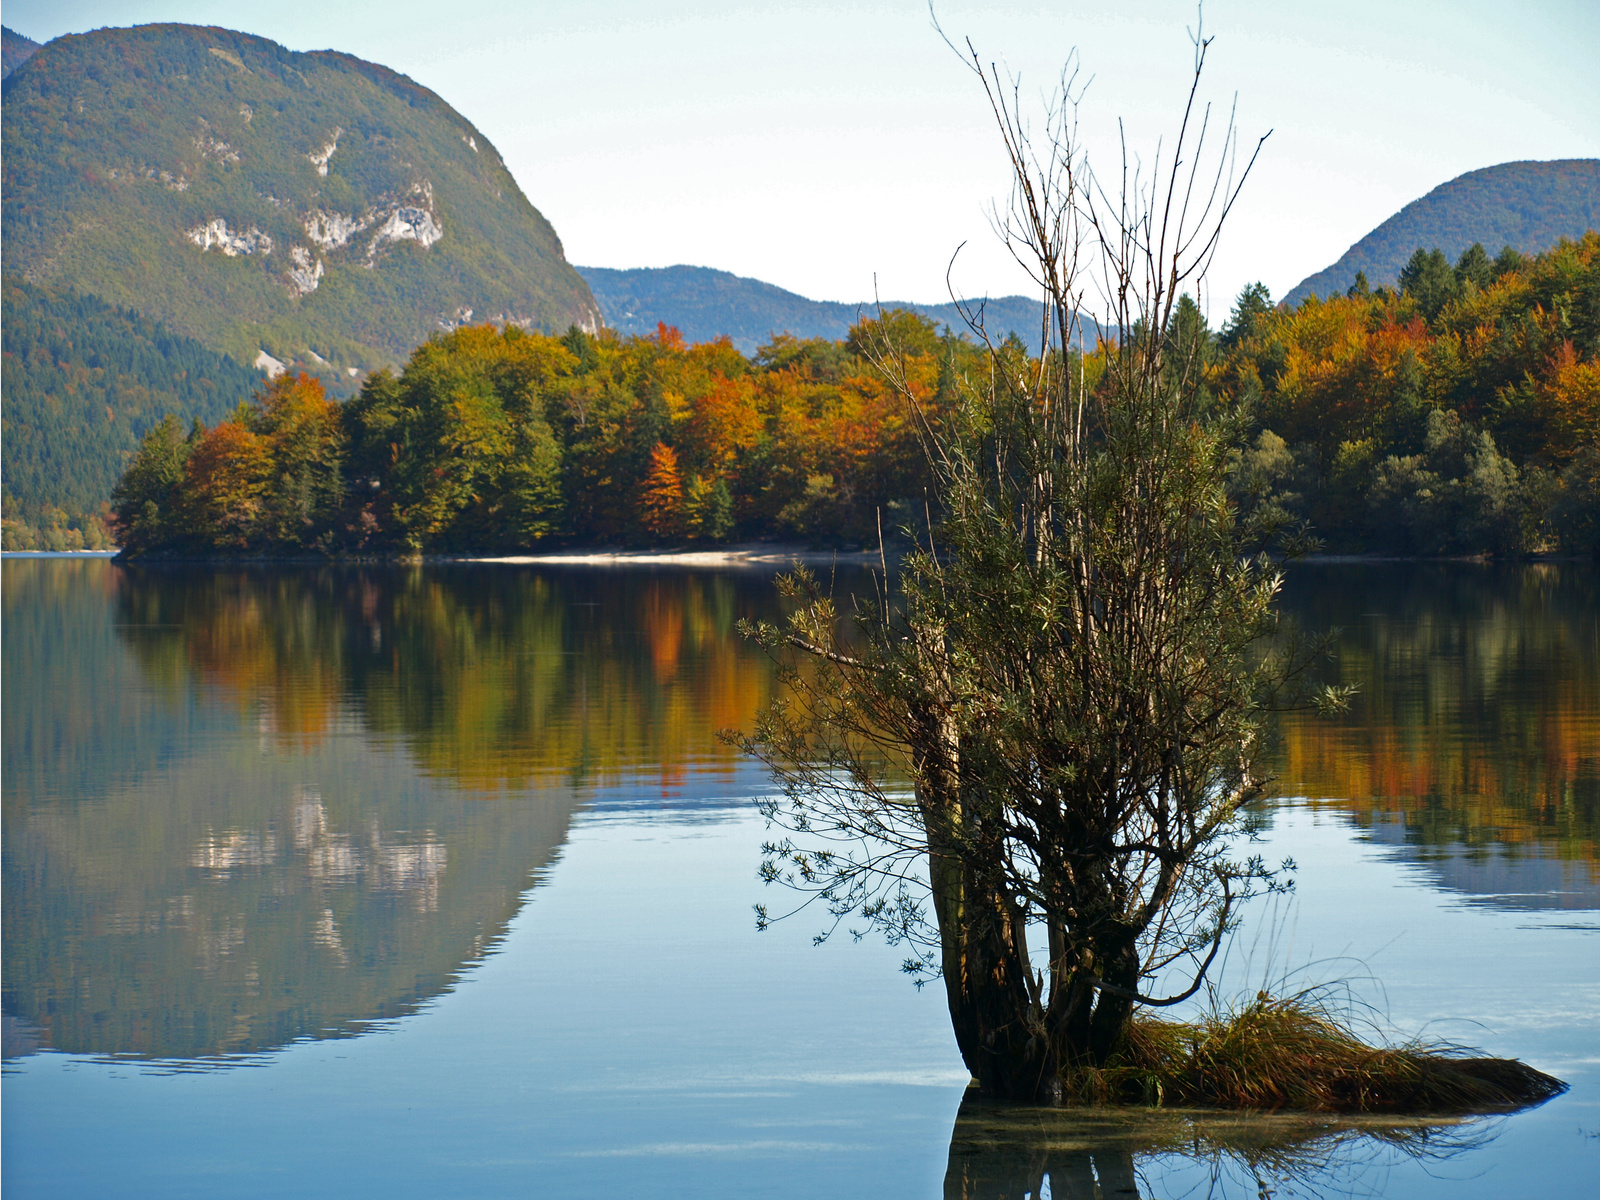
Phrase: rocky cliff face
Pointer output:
(313, 209)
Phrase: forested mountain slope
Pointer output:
(14, 50)
(704, 304)
(321, 209)
(83, 382)
(1525, 205)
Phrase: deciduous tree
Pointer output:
(661, 494)
(1029, 760)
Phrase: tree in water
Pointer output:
(1044, 733)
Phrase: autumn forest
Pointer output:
(1455, 414)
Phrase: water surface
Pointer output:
(438, 880)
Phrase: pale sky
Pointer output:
(823, 146)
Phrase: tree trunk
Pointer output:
(997, 1019)
(1014, 1043)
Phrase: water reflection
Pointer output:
(244, 807)
(248, 807)
(493, 677)
(1473, 744)
(240, 901)
(999, 1152)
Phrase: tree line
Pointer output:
(1456, 413)
(504, 439)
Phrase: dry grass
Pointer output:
(1294, 1053)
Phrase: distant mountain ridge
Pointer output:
(705, 304)
(1528, 206)
(314, 208)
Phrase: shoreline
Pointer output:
(744, 555)
(747, 555)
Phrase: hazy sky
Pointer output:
(818, 146)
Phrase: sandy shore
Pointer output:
(763, 555)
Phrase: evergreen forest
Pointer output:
(83, 383)
(1455, 414)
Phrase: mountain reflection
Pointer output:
(244, 808)
(1473, 743)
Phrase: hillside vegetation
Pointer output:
(327, 211)
(1458, 415)
(1465, 420)
(14, 50)
(1524, 205)
(706, 304)
(83, 383)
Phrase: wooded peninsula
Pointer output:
(1457, 413)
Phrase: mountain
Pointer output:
(1525, 205)
(309, 208)
(705, 304)
(83, 382)
(14, 50)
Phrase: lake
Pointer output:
(436, 880)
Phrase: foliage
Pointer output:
(148, 500)
(17, 49)
(1354, 419)
(1446, 418)
(83, 382)
(267, 478)
(1067, 672)
(119, 142)
(500, 439)
(661, 500)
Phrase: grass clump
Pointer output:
(1296, 1053)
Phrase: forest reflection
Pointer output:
(492, 677)
(246, 807)
(1476, 721)
(1474, 735)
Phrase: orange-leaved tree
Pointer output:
(661, 494)
(225, 480)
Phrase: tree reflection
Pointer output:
(246, 807)
(1002, 1152)
(493, 677)
(1476, 723)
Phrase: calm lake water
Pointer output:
(412, 882)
